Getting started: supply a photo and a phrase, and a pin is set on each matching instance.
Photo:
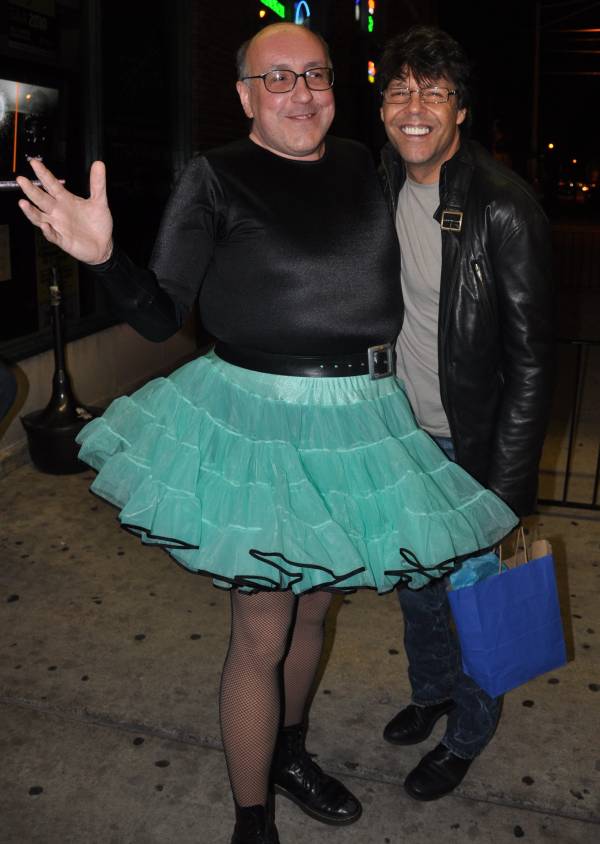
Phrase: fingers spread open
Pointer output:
(38, 196)
(31, 212)
(48, 179)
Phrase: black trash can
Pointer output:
(51, 432)
(51, 438)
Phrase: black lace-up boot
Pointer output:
(295, 775)
(254, 825)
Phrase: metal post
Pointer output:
(573, 425)
(92, 89)
(535, 110)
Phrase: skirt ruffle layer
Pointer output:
(280, 482)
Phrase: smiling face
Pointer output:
(292, 125)
(425, 135)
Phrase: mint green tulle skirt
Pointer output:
(280, 482)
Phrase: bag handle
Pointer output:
(520, 543)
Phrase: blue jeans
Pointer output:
(434, 664)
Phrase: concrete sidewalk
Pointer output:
(110, 657)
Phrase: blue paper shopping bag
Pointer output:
(509, 624)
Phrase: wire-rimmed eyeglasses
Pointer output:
(283, 81)
(400, 94)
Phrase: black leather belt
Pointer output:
(377, 361)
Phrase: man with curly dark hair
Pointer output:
(475, 352)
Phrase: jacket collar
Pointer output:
(455, 181)
(455, 177)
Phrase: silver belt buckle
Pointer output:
(381, 361)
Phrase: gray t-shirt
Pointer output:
(417, 347)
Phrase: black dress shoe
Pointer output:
(254, 825)
(415, 723)
(437, 774)
(297, 776)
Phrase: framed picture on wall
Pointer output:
(31, 126)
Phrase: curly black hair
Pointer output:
(429, 53)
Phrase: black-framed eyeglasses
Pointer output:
(283, 81)
(400, 94)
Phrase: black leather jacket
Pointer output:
(496, 318)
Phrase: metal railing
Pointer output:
(583, 376)
(577, 255)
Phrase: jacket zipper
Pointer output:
(484, 297)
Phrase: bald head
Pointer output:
(243, 58)
(291, 123)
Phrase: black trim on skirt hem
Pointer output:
(252, 583)
(248, 581)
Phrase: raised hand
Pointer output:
(80, 227)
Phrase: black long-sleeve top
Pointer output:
(282, 255)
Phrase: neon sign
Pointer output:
(365, 14)
(371, 18)
(275, 6)
(302, 12)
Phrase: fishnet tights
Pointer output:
(258, 663)
(302, 660)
